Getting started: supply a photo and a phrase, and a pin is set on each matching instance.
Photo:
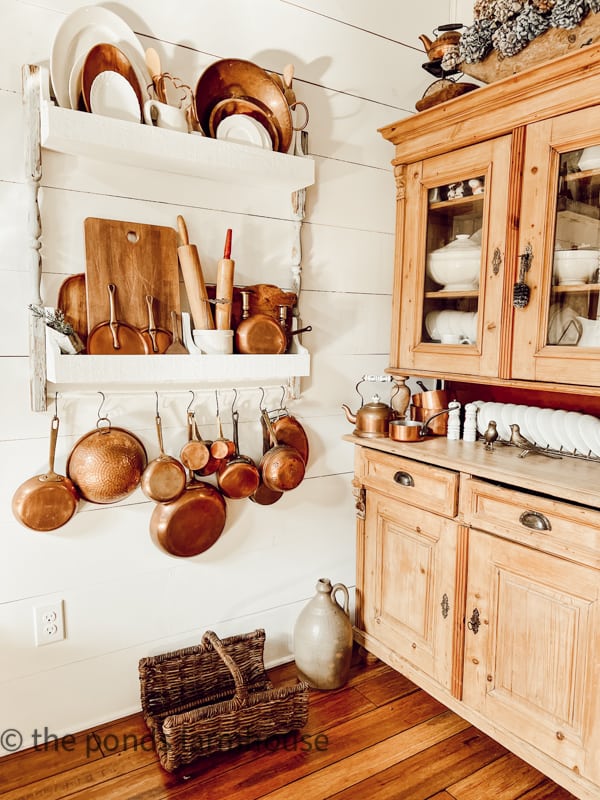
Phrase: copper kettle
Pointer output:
(372, 419)
(447, 39)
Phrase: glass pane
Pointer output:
(453, 262)
(573, 317)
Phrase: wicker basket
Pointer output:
(216, 696)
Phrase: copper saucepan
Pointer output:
(282, 467)
(195, 453)
(238, 477)
(264, 496)
(46, 502)
(164, 478)
(408, 430)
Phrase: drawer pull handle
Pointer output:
(404, 478)
(535, 521)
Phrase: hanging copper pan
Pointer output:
(238, 477)
(106, 464)
(264, 496)
(164, 478)
(281, 467)
(46, 502)
(191, 524)
(288, 430)
(195, 453)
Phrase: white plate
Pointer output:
(243, 129)
(509, 417)
(532, 418)
(112, 95)
(589, 427)
(572, 423)
(75, 81)
(520, 412)
(78, 33)
(546, 424)
(559, 423)
(482, 418)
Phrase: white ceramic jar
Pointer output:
(457, 265)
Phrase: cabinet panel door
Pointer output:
(410, 601)
(531, 648)
(557, 335)
(448, 293)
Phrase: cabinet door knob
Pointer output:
(535, 521)
(404, 478)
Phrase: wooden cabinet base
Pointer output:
(581, 788)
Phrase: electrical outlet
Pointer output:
(49, 623)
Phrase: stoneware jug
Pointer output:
(323, 638)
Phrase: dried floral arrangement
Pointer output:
(508, 26)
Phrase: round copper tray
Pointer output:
(254, 91)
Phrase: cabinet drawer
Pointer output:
(422, 485)
(554, 526)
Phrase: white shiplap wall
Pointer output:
(357, 66)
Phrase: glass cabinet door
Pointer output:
(573, 315)
(557, 334)
(453, 262)
(452, 266)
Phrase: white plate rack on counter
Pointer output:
(112, 140)
(553, 430)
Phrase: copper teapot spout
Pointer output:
(349, 415)
(426, 42)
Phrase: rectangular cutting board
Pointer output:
(140, 260)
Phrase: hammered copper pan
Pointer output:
(107, 464)
(46, 502)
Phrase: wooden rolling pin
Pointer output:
(193, 279)
(224, 289)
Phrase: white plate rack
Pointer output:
(552, 430)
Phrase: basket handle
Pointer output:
(241, 688)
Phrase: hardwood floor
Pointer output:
(378, 738)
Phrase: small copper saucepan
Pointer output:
(408, 430)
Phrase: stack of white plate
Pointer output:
(546, 427)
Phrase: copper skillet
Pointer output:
(238, 477)
(164, 478)
(115, 337)
(282, 467)
(263, 496)
(46, 502)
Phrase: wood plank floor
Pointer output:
(378, 738)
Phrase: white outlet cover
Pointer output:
(48, 623)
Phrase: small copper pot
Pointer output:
(409, 430)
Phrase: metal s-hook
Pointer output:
(217, 400)
(282, 401)
(234, 401)
(191, 403)
(102, 419)
(157, 411)
(261, 402)
(55, 405)
(101, 405)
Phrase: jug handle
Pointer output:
(339, 587)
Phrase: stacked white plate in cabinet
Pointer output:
(552, 428)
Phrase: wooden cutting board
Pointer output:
(140, 260)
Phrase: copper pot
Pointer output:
(281, 467)
(238, 477)
(408, 430)
(107, 464)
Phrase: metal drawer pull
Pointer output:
(404, 478)
(535, 521)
